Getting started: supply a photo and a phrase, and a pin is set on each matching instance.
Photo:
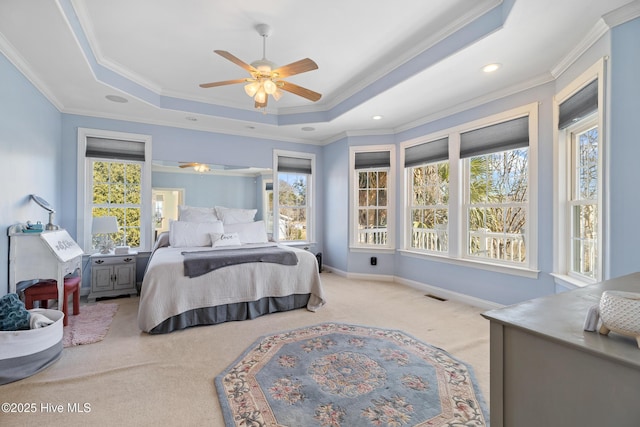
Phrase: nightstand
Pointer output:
(112, 275)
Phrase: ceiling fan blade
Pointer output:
(299, 90)
(235, 60)
(226, 82)
(297, 67)
(188, 165)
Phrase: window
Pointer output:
(427, 176)
(469, 193)
(114, 180)
(372, 172)
(583, 200)
(293, 211)
(267, 203)
(496, 190)
(579, 153)
(116, 192)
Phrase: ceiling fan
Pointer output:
(266, 77)
(198, 167)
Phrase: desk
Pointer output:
(45, 255)
(547, 371)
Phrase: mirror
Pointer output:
(208, 185)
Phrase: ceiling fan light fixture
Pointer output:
(201, 168)
(261, 96)
(269, 86)
(252, 88)
(277, 94)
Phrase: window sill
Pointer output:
(569, 282)
(504, 269)
(372, 249)
(297, 244)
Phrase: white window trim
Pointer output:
(562, 154)
(311, 191)
(457, 218)
(83, 218)
(408, 219)
(391, 202)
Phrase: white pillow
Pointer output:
(225, 239)
(193, 214)
(235, 216)
(183, 233)
(249, 232)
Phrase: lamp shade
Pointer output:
(104, 225)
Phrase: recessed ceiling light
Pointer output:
(116, 98)
(191, 118)
(308, 129)
(377, 117)
(490, 68)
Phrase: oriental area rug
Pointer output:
(336, 375)
(90, 325)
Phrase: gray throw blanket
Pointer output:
(201, 262)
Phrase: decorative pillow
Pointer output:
(184, 233)
(250, 232)
(235, 216)
(225, 239)
(13, 315)
(193, 214)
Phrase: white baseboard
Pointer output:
(450, 295)
(433, 290)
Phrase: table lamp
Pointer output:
(104, 226)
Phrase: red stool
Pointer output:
(48, 289)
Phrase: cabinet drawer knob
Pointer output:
(99, 261)
(128, 259)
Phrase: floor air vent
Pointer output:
(435, 297)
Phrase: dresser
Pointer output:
(43, 255)
(547, 371)
(112, 275)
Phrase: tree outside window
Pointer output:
(583, 204)
(372, 207)
(497, 205)
(292, 203)
(116, 192)
(429, 207)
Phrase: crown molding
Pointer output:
(623, 14)
(12, 54)
(405, 53)
(477, 102)
(597, 31)
(187, 125)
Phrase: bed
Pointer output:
(170, 300)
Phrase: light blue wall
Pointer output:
(177, 144)
(336, 205)
(39, 156)
(620, 45)
(29, 156)
(625, 149)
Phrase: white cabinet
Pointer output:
(112, 275)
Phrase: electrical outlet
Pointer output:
(374, 260)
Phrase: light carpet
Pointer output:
(337, 375)
(91, 325)
(134, 379)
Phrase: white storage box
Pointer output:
(23, 353)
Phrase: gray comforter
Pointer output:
(201, 262)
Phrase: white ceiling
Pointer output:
(407, 60)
